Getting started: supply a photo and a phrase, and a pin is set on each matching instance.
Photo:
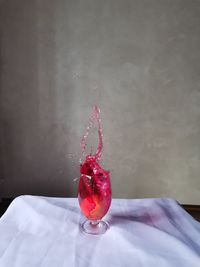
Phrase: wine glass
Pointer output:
(94, 195)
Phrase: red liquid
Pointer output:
(94, 191)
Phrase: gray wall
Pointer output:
(139, 60)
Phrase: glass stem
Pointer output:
(94, 223)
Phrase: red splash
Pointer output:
(94, 191)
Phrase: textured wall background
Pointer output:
(139, 60)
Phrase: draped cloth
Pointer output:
(40, 231)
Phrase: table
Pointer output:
(45, 232)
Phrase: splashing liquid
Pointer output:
(94, 191)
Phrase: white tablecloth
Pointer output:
(41, 231)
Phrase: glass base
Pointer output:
(95, 227)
